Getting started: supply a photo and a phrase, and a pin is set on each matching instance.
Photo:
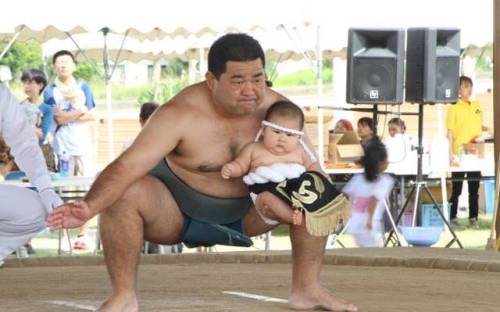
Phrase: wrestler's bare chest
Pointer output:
(210, 145)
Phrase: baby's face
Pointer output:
(280, 142)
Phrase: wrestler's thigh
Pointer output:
(253, 224)
(163, 220)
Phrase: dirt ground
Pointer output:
(188, 285)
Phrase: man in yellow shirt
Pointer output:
(464, 123)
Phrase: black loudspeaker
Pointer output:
(432, 65)
(375, 66)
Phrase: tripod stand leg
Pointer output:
(400, 215)
(336, 237)
(393, 224)
(455, 238)
(416, 204)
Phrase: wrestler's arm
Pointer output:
(240, 165)
(150, 146)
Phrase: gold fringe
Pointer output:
(325, 220)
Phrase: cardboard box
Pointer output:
(311, 115)
(312, 131)
(344, 148)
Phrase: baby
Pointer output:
(278, 154)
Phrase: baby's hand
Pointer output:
(226, 171)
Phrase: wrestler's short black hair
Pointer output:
(375, 154)
(35, 75)
(147, 109)
(237, 47)
(286, 109)
(61, 53)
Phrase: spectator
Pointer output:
(368, 191)
(365, 130)
(342, 126)
(464, 123)
(73, 103)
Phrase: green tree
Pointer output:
(88, 71)
(21, 56)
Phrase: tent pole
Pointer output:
(11, 42)
(319, 76)
(496, 101)
(107, 77)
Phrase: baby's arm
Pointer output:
(240, 165)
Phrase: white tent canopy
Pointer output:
(155, 20)
(146, 19)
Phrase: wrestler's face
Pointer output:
(64, 66)
(240, 89)
(280, 142)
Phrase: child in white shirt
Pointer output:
(367, 192)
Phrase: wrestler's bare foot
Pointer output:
(297, 217)
(120, 303)
(318, 298)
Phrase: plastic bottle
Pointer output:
(64, 164)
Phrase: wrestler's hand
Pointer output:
(69, 216)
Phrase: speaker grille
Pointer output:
(376, 80)
(447, 72)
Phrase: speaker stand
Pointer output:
(421, 185)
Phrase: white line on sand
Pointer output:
(72, 305)
(256, 297)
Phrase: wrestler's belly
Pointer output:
(210, 183)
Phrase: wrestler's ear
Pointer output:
(211, 80)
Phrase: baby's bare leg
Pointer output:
(269, 207)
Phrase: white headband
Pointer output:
(287, 130)
(277, 127)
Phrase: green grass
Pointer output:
(46, 244)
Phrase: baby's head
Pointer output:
(396, 125)
(282, 129)
(375, 159)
